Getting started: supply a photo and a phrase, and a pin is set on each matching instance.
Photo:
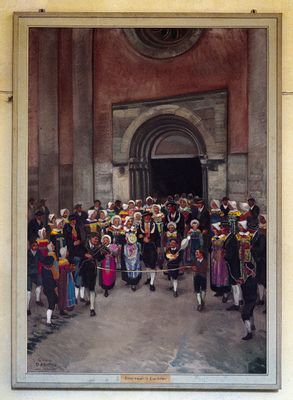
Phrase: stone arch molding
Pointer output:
(161, 110)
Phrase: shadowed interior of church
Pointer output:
(176, 175)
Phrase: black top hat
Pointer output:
(78, 205)
(171, 203)
(39, 213)
(49, 260)
(146, 213)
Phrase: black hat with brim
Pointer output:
(39, 213)
(171, 203)
(146, 213)
(72, 217)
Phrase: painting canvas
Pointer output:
(131, 107)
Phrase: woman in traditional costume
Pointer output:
(132, 271)
(245, 213)
(57, 236)
(52, 222)
(244, 238)
(123, 213)
(131, 208)
(103, 221)
(219, 276)
(64, 213)
(170, 234)
(91, 224)
(216, 213)
(195, 242)
(66, 292)
(117, 233)
(111, 209)
(233, 217)
(137, 219)
(108, 265)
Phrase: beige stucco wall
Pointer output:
(6, 9)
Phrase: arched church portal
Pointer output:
(167, 156)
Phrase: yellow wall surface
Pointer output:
(7, 7)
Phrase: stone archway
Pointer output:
(164, 137)
(140, 128)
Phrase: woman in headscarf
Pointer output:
(219, 275)
(103, 221)
(131, 274)
(108, 272)
(233, 216)
(91, 224)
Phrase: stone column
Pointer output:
(257, 118)
(82, 116)
(65, 107)
(48, 118)
(33, 115)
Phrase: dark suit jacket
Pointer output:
(231, 255)
(154, 237)
(33, 227)
(255, 211)
(74, 251)
(258, 252)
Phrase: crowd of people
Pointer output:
(69, 251)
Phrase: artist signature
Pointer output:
(45, 364)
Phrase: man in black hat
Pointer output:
(75, 249)
(254, 209)
(174, 215)
(258, 252)
(35, 225)
(81, 217)
(231, 256)
(149, 237)
(93, 252)
(34, 256)
(249, 291)
(50, 287)
(43, 207)
(225, 207)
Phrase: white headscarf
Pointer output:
(217, 225)
(216, 203)
(243, 224)
(63, 211)
(244, 207)
(90, 213)
(63, 252)
(42, 233)
(233, 205)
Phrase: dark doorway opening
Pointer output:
(176, 175)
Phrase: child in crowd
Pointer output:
(200, 278)
(173, 256)
(50, 287)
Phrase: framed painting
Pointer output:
(136, 107)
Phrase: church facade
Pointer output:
(126, 113)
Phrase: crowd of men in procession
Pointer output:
(67, 252)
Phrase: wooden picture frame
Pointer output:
(21, 378)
